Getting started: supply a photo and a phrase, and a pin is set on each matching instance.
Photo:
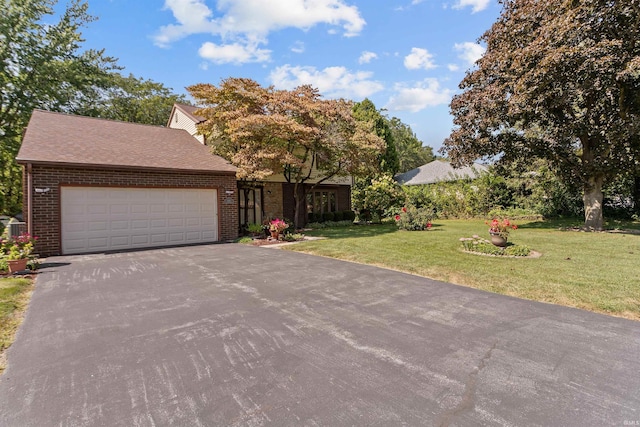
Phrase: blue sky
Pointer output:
(407, 56)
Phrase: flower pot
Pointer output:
(275, 235)
(498, 240)
(16, 265)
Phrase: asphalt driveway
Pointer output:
(237, 335)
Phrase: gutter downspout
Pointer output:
(29, 200)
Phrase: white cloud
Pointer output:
(366, 57)
(469, 51)
(332, 82)
(233, 53)
(427, 93)
(419, 59)
(255, 19)
(298, 47)
(192, 16)
(453, 67)
(476, 5)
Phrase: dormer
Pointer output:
(182, 117)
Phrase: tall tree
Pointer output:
(132, 99)
(411, 152)
(41, 66)
(296, 133)
(366, 111)
(560, 79)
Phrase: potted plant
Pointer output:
(276, 227)
(499, 231)
(255, 229)
(18, 251)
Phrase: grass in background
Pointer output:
(15, 294)
(591, 271)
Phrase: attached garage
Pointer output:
(94, 185)
(96, 219)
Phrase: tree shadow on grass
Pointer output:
(354, 231)
(577, 224)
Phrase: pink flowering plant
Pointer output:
(278, 226)
(19, 247)
(501, 227)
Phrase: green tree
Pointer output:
(41, 66)
(410, 150)
(366, 111)
(132, 99)
(380, 198)
(264, 131)
(560, 80)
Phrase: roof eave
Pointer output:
(23, 161)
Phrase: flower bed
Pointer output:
(479, 245)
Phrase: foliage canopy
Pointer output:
(559, 80)
(264, 131)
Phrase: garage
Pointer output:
(93, 185)
(98, 219)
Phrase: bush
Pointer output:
(292, 237)
(412, 218)
(349, 216)
(244, 240)
(338, 216)
(327, 216)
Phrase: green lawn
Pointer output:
(593, 271)
(14, 298)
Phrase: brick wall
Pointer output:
(272, 200)
(344, 198)
(46, 206)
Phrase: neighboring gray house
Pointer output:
(439, 171)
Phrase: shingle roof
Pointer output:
(62, 139)
(438, 171)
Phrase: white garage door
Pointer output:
(96, 219)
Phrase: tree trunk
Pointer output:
(592, 198)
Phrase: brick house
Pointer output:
(273, 197)
(93, 185)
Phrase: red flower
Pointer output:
(404, 209)
(429, 225)
(397, 217)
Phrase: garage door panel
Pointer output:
(98, 219)
(96, 226)
(119, 209)
(120, 225)
(95, 209)
(139, 209)
(120, 242)
(141, 239)
(98, 243)
(137, 224)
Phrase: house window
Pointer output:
(321, 201)
(250, 205)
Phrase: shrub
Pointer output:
(349, 216)
(327, 216)
(338, 216)
(244, 240)
(293, 237)
(412, 218)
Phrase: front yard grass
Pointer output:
(15, 294)
(591, 271)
